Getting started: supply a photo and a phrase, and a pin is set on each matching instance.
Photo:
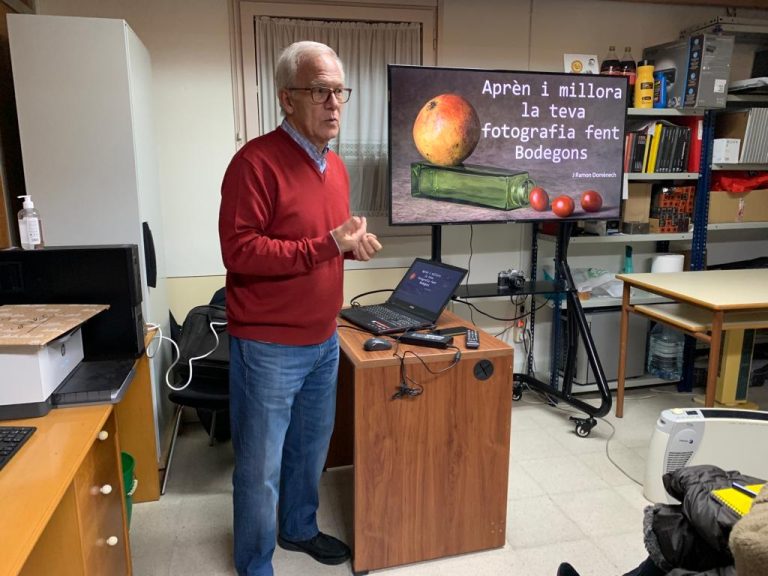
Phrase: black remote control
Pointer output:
(422, 339)
(472, 339)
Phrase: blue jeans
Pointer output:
(282, 409)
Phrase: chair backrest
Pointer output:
(198, 339)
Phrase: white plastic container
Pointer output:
(665, 353)
(30, 226)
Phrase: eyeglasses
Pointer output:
(321, 94)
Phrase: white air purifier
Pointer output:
(730, 439)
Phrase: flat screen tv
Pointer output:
(472, 146)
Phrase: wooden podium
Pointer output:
(430, 471)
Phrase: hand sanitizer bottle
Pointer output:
(30, 226)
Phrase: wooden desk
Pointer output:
(431, 471)
(54, 518)
(712, 301)
(136, 418)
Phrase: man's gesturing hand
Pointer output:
(349, 234)
(367, 247)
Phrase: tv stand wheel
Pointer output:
(517, 392)
(583, 426)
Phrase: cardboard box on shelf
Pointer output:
(731, 124)
(725, 150)
(697, 69)
(729, 207)
(669, 224)
(637, 206)
(747, 126)
(601, 227)
(671, 208)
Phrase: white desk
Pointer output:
(708, 302)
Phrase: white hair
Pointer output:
(292, 57)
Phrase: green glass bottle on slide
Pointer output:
(471, 184)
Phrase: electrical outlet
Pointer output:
(518, 331)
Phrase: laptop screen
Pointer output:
(427, 287)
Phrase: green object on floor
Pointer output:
(129, 483)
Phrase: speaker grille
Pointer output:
(677, 460)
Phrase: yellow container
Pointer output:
(644, 84)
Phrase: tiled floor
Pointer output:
(566, 501)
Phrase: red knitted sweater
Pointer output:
(284, 270)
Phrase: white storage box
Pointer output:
(40, 344)
(725, 150)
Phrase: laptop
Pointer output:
(416, 303)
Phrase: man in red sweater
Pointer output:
(285, 228)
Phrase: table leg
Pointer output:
(714, 358)
(623, 334)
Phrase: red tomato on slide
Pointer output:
(539, 199)
(591, 201)
(563, 206)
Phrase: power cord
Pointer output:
(472, 306)
(159, 336)
(547, 399)
(404, 388)
(469, 268)
(354, 302)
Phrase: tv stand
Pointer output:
(563, 286)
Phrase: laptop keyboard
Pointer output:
(11, 439)
(392, 317)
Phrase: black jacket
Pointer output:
(691, 538)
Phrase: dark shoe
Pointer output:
(566, 569)
(323, 548)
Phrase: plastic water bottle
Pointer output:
(665, 353)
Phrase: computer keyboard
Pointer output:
(393, 317)
(11, 439)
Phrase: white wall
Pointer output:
(189, 43)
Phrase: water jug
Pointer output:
(665, 353)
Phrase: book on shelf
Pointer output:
(664, 158)
(659, 146)
(695, 125)
(655, 143)
(629, 144)
(641, 139)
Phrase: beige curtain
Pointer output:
(365, 48)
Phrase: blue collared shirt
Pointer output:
(307, 146)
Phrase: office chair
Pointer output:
(206, 388)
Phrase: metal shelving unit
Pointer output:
(656, 176)
(737, 226)
(624, 238)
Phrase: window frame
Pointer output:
(245, 85)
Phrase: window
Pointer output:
(366, 39)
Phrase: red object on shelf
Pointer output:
(696, 124)
(739, 181)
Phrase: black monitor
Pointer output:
(473, 146)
